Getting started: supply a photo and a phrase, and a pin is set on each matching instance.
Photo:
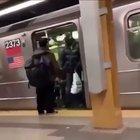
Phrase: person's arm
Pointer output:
(62, 59)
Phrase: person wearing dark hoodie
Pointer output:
(45, 95)
(69, 58)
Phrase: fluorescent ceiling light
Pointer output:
(60, 38)
(75, 34)
(51, 42)
(20, 6)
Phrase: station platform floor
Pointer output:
(66, 125)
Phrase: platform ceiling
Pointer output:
(45, 7)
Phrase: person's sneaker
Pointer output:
(41, 112)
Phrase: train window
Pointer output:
(56, 36)
(134, 20)
(134, 36)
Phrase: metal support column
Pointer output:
(101, 66)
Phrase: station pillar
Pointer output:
(105, 102)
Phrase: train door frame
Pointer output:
(81, 47)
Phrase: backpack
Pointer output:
(38, 71)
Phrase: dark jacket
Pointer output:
(48, 55)
(69, 58)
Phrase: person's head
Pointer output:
(69, 40)
(43, 42)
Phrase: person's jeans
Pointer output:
(45, 98)
(69, 80)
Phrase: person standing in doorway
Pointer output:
(68, 61)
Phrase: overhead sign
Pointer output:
(14, 53)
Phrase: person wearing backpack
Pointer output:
(42, 70)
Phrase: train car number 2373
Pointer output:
(12, 43)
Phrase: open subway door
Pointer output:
(70, 57)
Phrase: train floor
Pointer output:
(66, 125)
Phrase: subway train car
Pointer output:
(127, 35)
(17, 42)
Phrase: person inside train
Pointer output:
(45, 96)
(69, 58)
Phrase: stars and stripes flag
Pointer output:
(15, 62)
(14, 53)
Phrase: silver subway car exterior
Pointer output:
(17, 45)
(127, 36)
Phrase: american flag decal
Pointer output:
(15, 62)
(14, 54)
(14, 51)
